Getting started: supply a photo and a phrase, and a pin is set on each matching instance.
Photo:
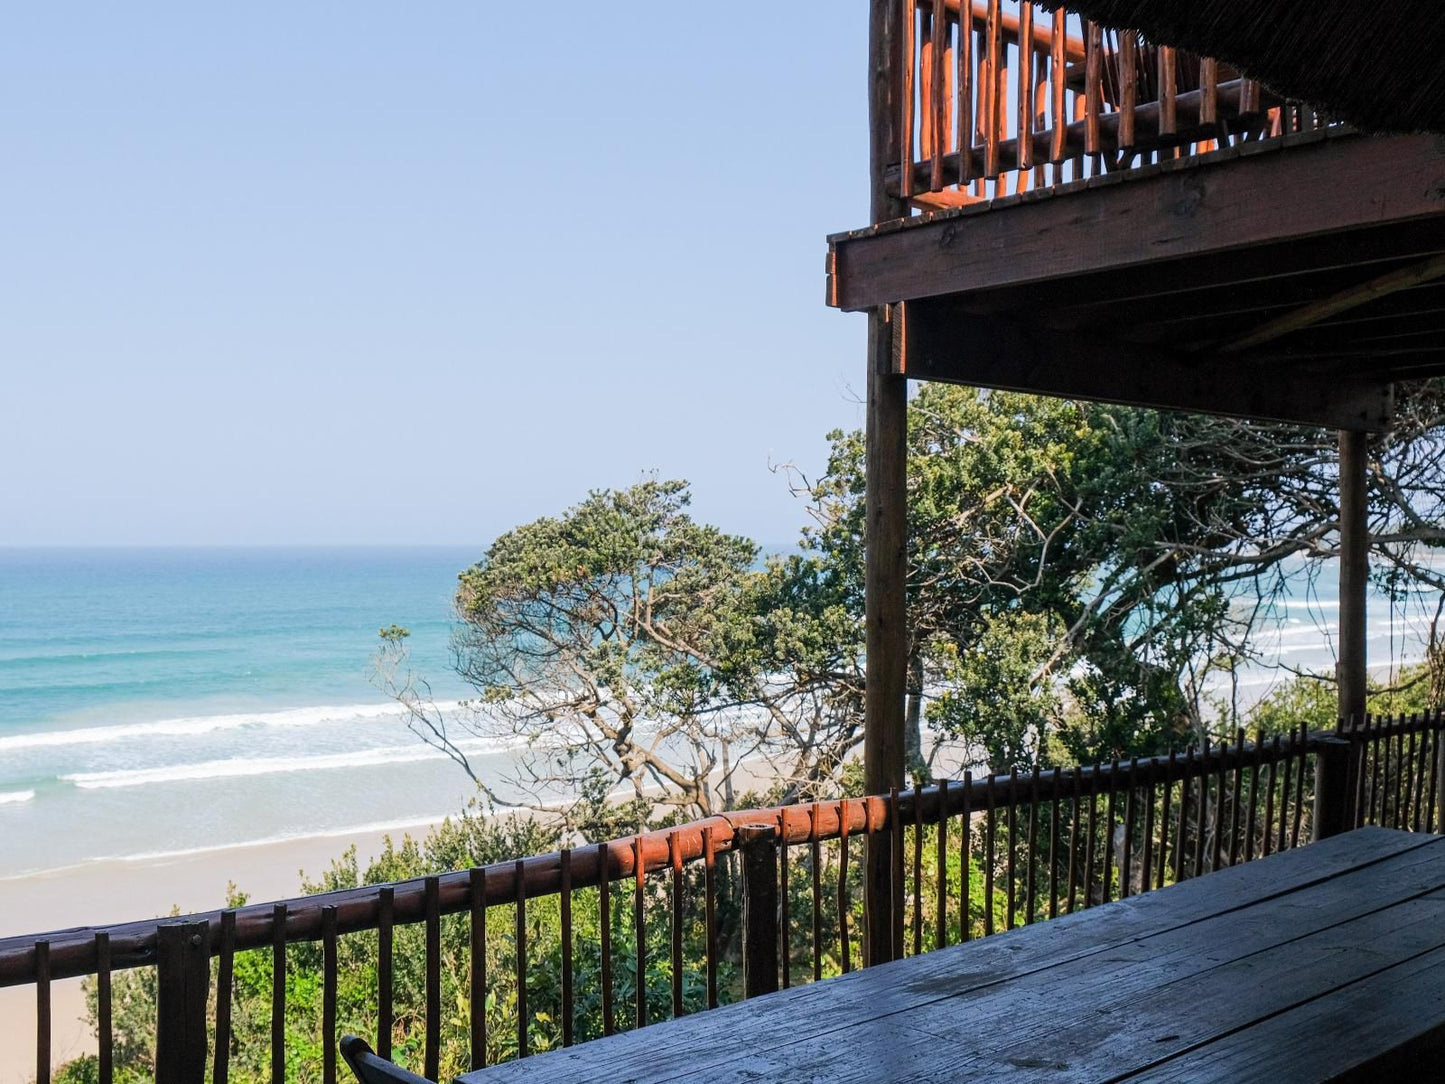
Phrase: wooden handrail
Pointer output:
(72, 952)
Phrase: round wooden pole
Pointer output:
(886, 497)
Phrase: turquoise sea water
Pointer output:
(167, 700)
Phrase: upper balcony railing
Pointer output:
(999, 97)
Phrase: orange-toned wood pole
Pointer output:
(885, 498)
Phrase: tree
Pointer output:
(1078, 571)
(625, 644)
(1079, 574)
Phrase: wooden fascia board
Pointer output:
(941, 343)
(1281, 193)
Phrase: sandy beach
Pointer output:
(101, 893)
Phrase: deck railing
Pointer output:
(1000, 96)
(971, 857)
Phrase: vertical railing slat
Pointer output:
(1078, 796)
(384, 1021)
(477, 992)
(1093, 85)
(844, 935)
(1026, 89)
(104, 1029)
(1202, 820)
(965, 860)
(709, 858)
(1163, 866)
(989, 90)
(42, 1012)
(815, 861)
(524, 1047)
(990, 829)
(679, 903)
(940, 932)
(1092, 831)
(906, 106)
(278, 994)
(1055, 800)
(917, 871)
(964, 90)
(328, 995)
(604, 925)
(1238, 797)
(1128, 87)
(1058, 69)
(1012, 809)
(639, 925)
(1168, 101)
(569, 1007)
(432, 890)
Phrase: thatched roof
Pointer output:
(1378, 64)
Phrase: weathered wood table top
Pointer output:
(1322, 963)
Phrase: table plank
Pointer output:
(1128, 1007)
(821, 1015)
(1335, 1037)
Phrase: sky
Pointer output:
(378, 273)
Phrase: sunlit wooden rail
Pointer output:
(971, 857)
(1001, 96)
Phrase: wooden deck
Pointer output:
(1323, 963)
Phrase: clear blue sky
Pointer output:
(379, 272)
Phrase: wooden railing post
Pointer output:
(1332, 786)
(183, 978)
(760, 909)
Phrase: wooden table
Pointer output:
(1322, 962)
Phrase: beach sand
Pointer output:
(103, 893)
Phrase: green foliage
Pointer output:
(1310, 699)
(468, 840)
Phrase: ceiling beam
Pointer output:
(940, 342)
(1343, 301)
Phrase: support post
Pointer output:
(760, 909)
(885, 501)
(1351, 670)
(1332, 786)
(183, 979)
(1333, 760)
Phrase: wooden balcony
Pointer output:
(969, 859)
(1103, 218)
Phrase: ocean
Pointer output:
(176, 701)
(169, 701)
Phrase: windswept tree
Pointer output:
(624, 645)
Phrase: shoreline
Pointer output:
(111, 891)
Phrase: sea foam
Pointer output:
(15, 797)
(242, 767)
(202, 724)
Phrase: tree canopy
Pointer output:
(1078, 573)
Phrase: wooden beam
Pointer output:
(885, 502)
(1352, 668)
(1283, 191)
(1343, 301)
(943, 344)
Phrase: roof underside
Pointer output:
(1376, 65)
